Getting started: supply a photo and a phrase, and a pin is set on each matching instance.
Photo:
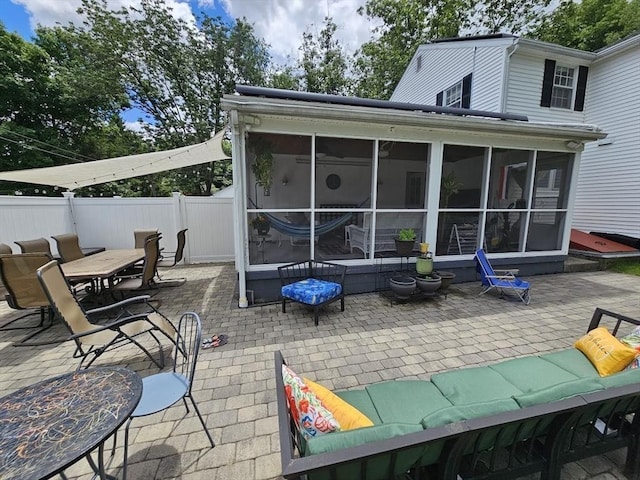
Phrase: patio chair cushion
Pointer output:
(311, 418)
(406, 401)
(607, 353)
(376, 469)
(347, 415)
(531, 374)
(473, 385)
(311, 291)
(361, 400)
(573, 361)
(457, 413)
(559, 392)
(626, 377)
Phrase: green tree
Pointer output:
(324, 64)
(176, 74)
(590, 24)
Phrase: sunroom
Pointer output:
(338, 178)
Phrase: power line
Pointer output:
(32, 147)
(46, 144)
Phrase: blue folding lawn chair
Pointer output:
(501, 280)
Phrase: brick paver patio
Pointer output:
(369, 342)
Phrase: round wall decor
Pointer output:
(333, 181)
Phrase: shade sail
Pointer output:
(102, 171)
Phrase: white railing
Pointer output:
(110, 222)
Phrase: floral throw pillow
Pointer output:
(633, 341)
(306, 409)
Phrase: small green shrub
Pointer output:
(407, 235)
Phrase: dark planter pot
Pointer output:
(447, 279)
(263, 229)
(402, 287)
(404, 247)
(428, 285)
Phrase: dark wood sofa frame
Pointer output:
(329, 272)
(539, 438)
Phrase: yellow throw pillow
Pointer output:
(348, 416)
(606, 353)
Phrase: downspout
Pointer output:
(238, 208)
(505, 75)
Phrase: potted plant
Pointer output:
(405, 241)
(261, 224)
(262, 166)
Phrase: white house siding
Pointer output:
(524, 89)
(444, 64)
(608, 193)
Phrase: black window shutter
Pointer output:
(439, 99)
(547, 82)
(466, 91)
(581, 89)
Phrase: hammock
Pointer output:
(304, 231)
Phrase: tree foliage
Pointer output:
(324, 63)
(590, 24)
(405, 24)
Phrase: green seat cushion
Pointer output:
(405, 401)
(573, 361)
(376, 468)
(458, 413)
(530, 374)
(361, 400)
(620, 379)
(559, 392)
(473, 385)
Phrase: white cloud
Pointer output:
(49, 13)
(280, 23)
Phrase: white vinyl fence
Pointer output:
(110, 222)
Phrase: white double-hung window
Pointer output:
(563, 87)
(453, 96)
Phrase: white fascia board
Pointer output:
(248, 106)
(463, 43)
(542, 49)
(619, 47)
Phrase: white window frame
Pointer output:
(453, 95)
(561, 72)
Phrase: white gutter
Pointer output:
(432, 121)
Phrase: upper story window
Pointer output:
(453, 95)
(563, 86)
(458, 95)
(563, 83)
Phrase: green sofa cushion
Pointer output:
(361, 400)
(573, 361)
(530, 374)
(405, 401)
(377, 468)
(559, 392)
(457, 413)
(473, 385)
(620, 379)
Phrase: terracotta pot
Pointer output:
(402, 287)
(429, 284)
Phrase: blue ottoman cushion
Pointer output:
(311, 291)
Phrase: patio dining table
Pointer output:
(102, 265)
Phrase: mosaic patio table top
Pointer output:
(50, 425)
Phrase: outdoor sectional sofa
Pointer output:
(517, 417)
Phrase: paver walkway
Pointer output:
(369, 342)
